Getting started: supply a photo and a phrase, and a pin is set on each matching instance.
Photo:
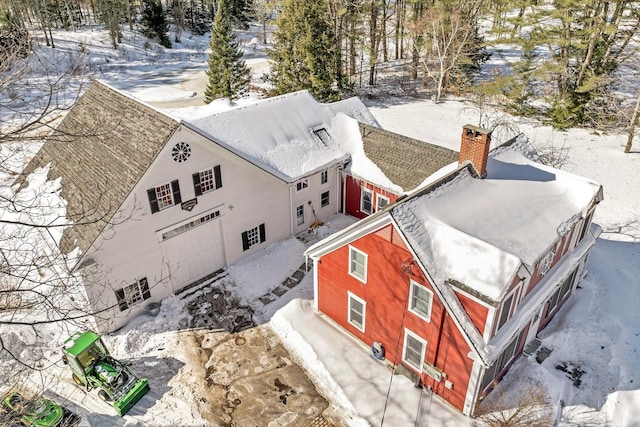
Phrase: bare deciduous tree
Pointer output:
(529, 407)
(447, 33)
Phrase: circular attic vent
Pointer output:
(181, 152)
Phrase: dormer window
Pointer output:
(323, 136)
(545, 263)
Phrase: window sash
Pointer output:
(366, 202)
(324, 199)
(413, 350)
(358, 264)
(253, 237)
(164, 196)
(132, 294)
(324, 177)
(381, 201)
(357, 312)
(420, 301)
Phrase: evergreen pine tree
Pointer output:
(304, 54)
(154, 22)
(228, 74)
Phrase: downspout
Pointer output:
(440, 332)
(290, 210)
(338, 185)
(344, 190)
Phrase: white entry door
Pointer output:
(194, 254)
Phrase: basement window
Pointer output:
(132, 294)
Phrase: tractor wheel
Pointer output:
(77, 380)
(104, 396)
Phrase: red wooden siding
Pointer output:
(386, 295)
(477, 312)
(353, 195)
(562, 247)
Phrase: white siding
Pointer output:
(132, 248)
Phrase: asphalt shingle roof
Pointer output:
(407, 162)
(101, 149)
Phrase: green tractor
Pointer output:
(93, 367)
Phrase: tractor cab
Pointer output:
(82, 351)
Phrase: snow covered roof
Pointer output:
(479, 231)
(290, 135)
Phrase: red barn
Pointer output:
(452, 282)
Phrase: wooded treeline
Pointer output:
(570, 54)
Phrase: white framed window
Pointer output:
(381, 201)
(420, 301)
(366, 201)
(190, 225)
(207, 180)
(132, 294)
(253, 237)
(545, 263)
(324, 177)
(357, 311)
(413, 350)
(324, 199)
(164, 196)
(300, 215)
(302, 185)
(358, 264)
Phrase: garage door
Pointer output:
(194, 253)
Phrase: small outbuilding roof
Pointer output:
(407, 162)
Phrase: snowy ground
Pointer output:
(597, 331)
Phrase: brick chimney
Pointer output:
(474, 148)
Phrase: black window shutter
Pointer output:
(245, 241)
(175, 187)
(218, 176)
(144, 284)
(196, 184)
(263, 236)
(153, 200)
(122, 302)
